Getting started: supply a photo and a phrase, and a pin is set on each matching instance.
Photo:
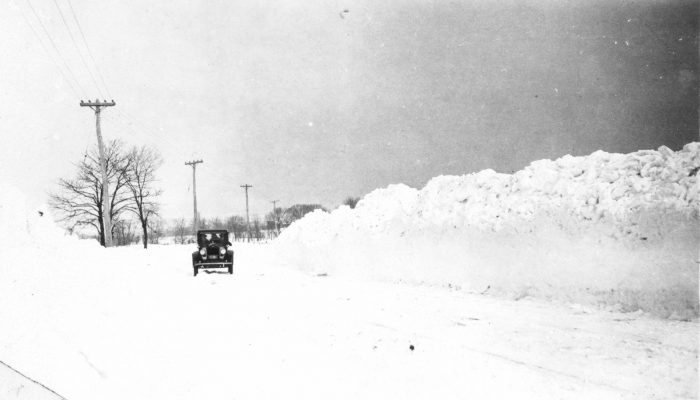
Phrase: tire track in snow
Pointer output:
(520, 363)
(51, 395)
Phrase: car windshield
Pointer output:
(208, 238)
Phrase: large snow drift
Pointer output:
(618, 230)
(24, 222)
(129, 323)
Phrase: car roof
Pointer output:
(211, 231)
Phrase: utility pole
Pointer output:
(195, 220)
(247, 217)
(274, 215)
(106, 203)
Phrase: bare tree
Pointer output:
(203, 223)
(297, 211)
(155, 230)
(256, 228)
(181, 230)
(237, 225)
(141, 171)
(274, 218)
(215, 223)
(124, 232)
(351, 201)
(79, 200)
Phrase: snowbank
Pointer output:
(130, 323)
(26, 223)
(617, 230)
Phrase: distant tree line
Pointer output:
(134, 202)
(260, 228)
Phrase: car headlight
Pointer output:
(222, 251)
(203, 252)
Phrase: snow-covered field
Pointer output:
(483, 286)
(132, 324)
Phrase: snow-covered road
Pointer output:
(139, 326)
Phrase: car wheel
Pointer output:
(196, 270)
(230, 269)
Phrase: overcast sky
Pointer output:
(312, 101)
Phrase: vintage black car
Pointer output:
(213, 251)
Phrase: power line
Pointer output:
(140, 123)
(129, 130)
(128, 126)
(132, 127)
(46, 50)
(80, 29)
(131, 124)
(97, 86)
(53, 44)
(138, 129)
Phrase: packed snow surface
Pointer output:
(128, 323)
(616, 230)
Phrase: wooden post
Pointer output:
(195, 221)
(247, 217)
(106, 203)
